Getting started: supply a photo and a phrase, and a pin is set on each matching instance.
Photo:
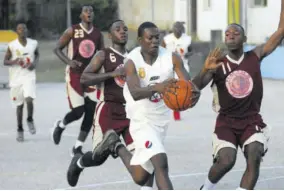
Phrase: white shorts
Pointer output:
(148, 141)
(19, 93)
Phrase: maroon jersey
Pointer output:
(239, 85)
(84, 44)
(112, 89)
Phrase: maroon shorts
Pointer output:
(234, 132)
(111, 115)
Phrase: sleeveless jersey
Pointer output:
(83, 45)
(152, 109)
(239, 86)
(17, 74)
(112, 89)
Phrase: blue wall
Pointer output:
(273, 65)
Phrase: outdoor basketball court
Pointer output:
(39, 164)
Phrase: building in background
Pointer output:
(259, 17)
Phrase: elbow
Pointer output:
(56, 50)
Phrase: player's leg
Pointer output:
(29, 90)
(76, 103)
(17, 97)
(255, 140)
(79, 162)
(131, 147)
(90, 107)
(224, 153)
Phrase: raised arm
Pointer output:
(133, 83)
(208, 70)
(179, 67)
(275, 40)
(91, 75)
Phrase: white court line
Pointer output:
(173, 177)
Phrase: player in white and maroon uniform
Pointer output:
(83, 40)
(238, 81)
(149, 71)
(22, 56)
(180, 43)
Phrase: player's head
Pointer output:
(149, 38)
(235, 36)
(87, 14)
(118, 32)
(22, 30)
(178, 29)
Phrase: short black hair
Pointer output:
(145, 25)
(110, 25)
(238, 25)
(20, 23)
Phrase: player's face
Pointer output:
(178, 30)
(119, 33)
(150, 41)
(234, 37)
(22, 30)
(87, 14)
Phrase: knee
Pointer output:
(227, 161)
(29, 100)
(254, 152)
(78, 111)
(140, 180)
(160, 163)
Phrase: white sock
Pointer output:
(79, 164)
(146, 188)
(61, 124)
(239, 188)
(208, 185)
(78, 144)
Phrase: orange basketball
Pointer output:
(181, 100)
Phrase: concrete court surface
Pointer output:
(39, 164)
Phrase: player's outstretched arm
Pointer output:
(267, 48)
(7, 58)
(61, 44)
(133, 83)
(91, 75)
(209, 68)
(179, 67)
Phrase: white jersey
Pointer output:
(178, 45)
(18, 75)
(152, 110)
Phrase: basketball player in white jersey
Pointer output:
(180, 43)
(149, 72)
(22, 56)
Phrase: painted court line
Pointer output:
(173, 177)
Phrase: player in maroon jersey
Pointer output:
(238, 81)
(82, 40)
(106, 71)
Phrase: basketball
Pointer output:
(182, 99)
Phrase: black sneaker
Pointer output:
(20, 136)
(108, 145)
(77, 150)
(74, 171)
(57, 132)
(201, 187)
